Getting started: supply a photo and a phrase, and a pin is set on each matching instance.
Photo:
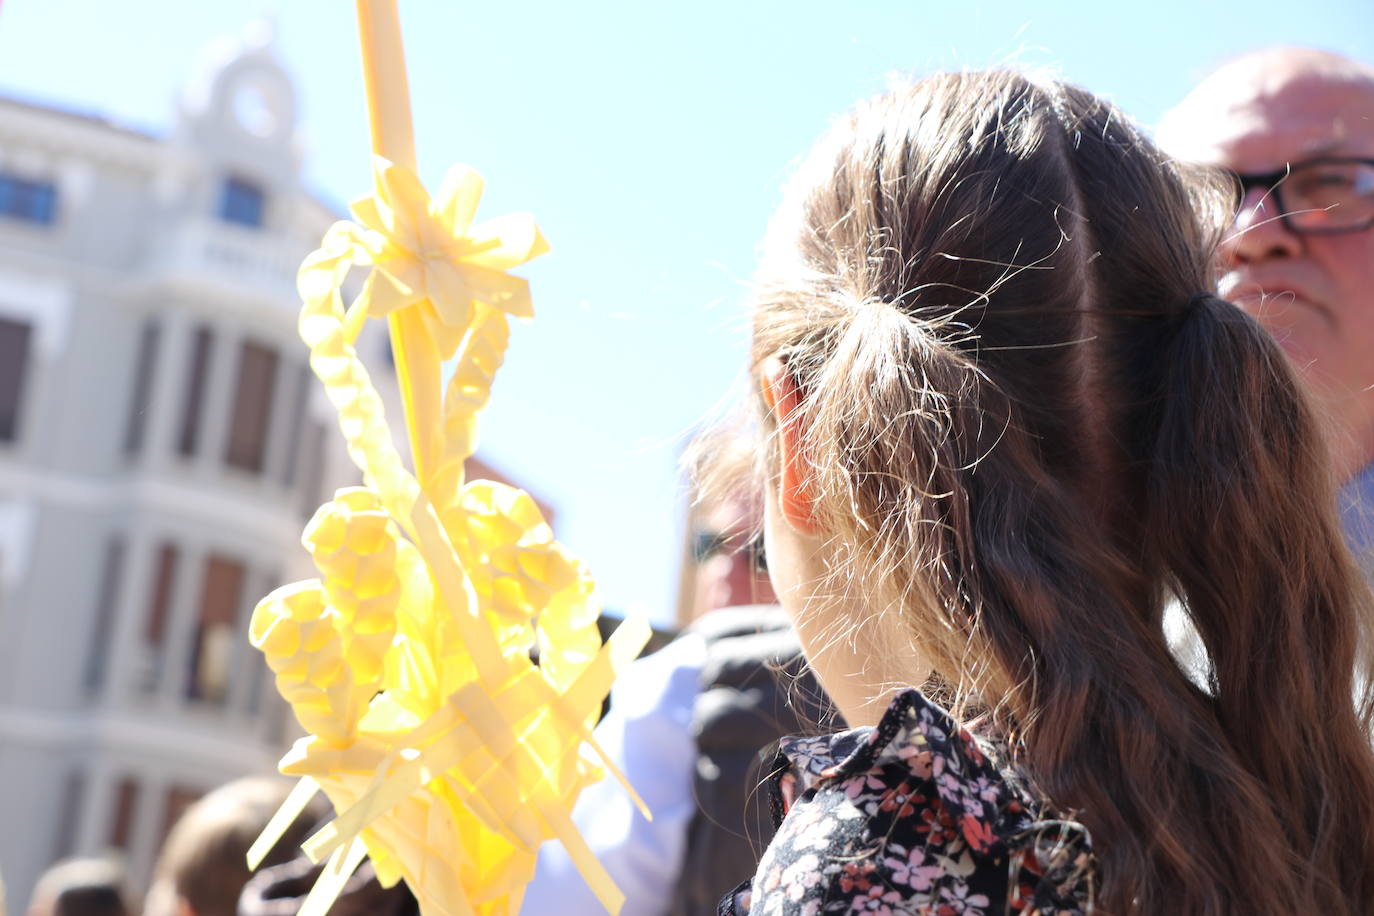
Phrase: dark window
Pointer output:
(295, 428)
(32, 201)
(252, 407)
(179, 798)
(73, 795)
(212, 653)
(106, 601)
(164, 578)
(241, 202)
(198, 371)
(122, 819)
(143, 388)
(14, 359)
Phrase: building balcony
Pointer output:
(236, 259)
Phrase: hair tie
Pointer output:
(1191, 306)
(1195, 298)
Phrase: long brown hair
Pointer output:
(1030, 431)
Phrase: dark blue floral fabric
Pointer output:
(915, 816)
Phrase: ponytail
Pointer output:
(1246, 535)
(1009, 457)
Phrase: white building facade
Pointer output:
(161, 444)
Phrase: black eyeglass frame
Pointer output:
(1273, 181)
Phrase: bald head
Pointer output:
(1265, 114)
(1252, 97)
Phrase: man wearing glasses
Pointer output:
(1296, 128)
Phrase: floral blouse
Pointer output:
(912, 817)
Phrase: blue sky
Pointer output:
(650, 140)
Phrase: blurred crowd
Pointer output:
(202, 869)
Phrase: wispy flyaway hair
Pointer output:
(1029, 434)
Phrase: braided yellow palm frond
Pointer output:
(449, 756)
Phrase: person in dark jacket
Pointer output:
(754, 689)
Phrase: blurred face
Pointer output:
(1314, 292)
(729, 570)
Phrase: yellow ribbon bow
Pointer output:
(448, 753)
(428, 253)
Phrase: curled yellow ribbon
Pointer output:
(448, 754)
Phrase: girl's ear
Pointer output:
(796, 496)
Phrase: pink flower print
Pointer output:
(803, 817)
(925, 819)
(908, 869)
(949, 784)
(876, 901)
(898, 870)
(937, 823)
(801, 875)
(917, 759)
(956, 899)
(863, 783)
(814, 835)
(866, 905)
(975, 752)
(923, 877)
(857, 876)
(984, 788)
(899, 799)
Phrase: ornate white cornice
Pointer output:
(59, 134)
(263, 518)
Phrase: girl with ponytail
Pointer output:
(1005, 425)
